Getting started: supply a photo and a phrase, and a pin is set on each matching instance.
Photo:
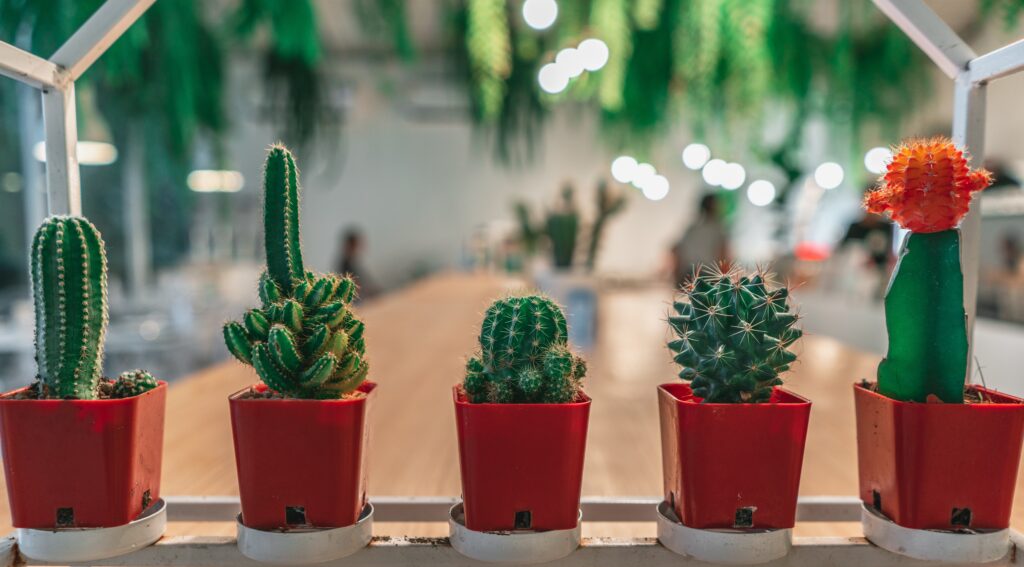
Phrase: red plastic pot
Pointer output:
(522, 464)
(301, 462)
(939, 466)
(732, 465)
(82, 463)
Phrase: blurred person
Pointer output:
(874, 235)
(350, 262)
(704, 244)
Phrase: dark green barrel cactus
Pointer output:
(304, 341)
(732, 334)
(69, 288)
(524, 355)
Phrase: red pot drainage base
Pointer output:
(82, 463)
(732, 466)
(939, 466)
(301, 463)
(522, 464)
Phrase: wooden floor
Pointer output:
(418, 340)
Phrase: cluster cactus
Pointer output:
(524, 355)
(69, 289)
(732, 333)
(927, 189)
(304, 341)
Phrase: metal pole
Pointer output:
(63, 184)
(136, 212)
(969, 132)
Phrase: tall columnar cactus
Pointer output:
(69, 288)
(732, 333)
(304, 341)
(524, 355)
(927, 188)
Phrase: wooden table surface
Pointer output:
(418, 339)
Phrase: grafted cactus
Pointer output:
(524, 355)
(304, 341)
(732, 334)
(927, 188)
(69, 288)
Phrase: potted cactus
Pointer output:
(108, 432)
(732, 333)
(300, 434)
(934, 453)
(521, 417)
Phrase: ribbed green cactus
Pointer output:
(524, 355)
(732, 336)
(69, 288)
(304, 342)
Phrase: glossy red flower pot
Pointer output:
(82, 463)
(522, 464)
(939, 466)
(301, 462)
(732, 465)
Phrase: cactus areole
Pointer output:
(109, 432)
(521, 418)
(304, 340)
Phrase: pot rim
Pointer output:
(6, 398)
(797, 401)
(459, 395)
(860, 386)
(368, 387)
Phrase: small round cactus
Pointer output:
(133, 383)
(524, 355)
(732, 334)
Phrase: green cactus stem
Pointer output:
(609, 204)
(562, 228)
(524, 355)
(926, 321)
(281, 218)
(732, 333)
(69, 287)
(304, 341)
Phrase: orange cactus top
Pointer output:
(928, 186)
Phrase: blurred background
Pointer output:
(577, 145)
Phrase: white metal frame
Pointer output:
(55, 78)
(971, 74)
(222, 551)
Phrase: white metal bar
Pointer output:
(22, 66)
(63, 185)
(926, 29)
(435, 509)
(969, 133)
(999, 63)
(97, 34)
(198, 551)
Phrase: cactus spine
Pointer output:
(732, 334)
(304, 341)
(524, 355)
(69, 288)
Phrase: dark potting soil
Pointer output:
(39, 391)
(253, 394)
